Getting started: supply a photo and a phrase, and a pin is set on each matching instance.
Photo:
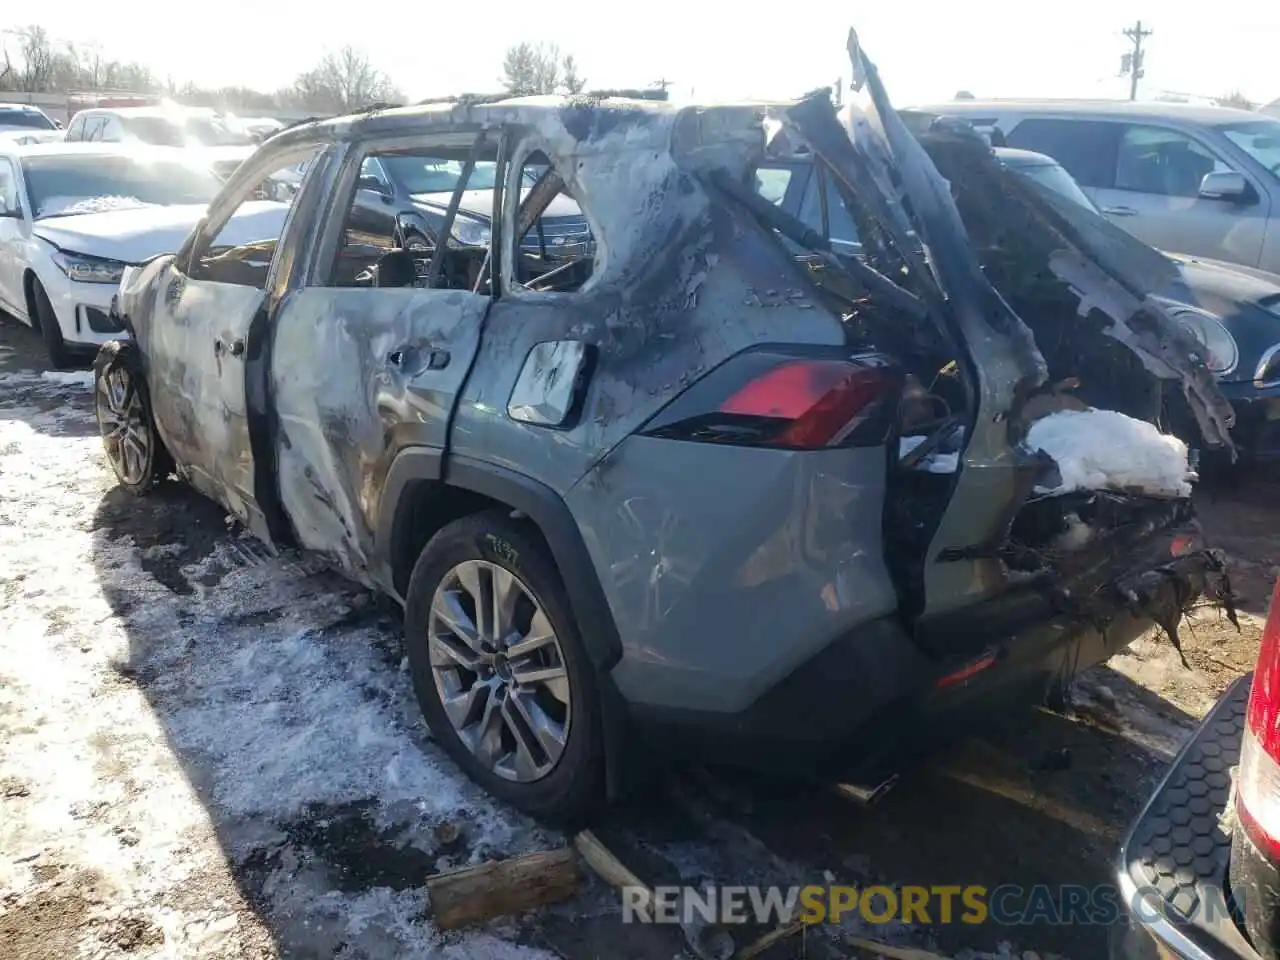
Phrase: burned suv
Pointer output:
(697, 486)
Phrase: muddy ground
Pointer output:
(206, 751)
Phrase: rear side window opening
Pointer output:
(551, 248)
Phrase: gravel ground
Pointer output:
(206, 751)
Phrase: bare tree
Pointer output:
(573, 82)
(1235, 99)
(342, 82)
(37, 58)
(8, 76)
(530, 69)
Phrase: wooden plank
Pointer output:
(472, 895)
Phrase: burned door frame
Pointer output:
(383, 376)
(249, 496)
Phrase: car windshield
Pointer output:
(191, 131)
(1260, 139)
(67, 185)
(1057, 179)
(27, 119)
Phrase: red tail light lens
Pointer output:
(762, 398)
(1264, 697)
(1258, 780)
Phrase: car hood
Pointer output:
(132, 236)
(1227, 281)
(478, 204)
(30, 135)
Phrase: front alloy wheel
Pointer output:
(126, 432)
(499, 671)
(123, 406)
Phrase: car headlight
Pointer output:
(89, 269)
(470, 233)
(1220, 351)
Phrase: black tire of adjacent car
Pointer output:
(569, 794)
(47, 320)
(123, 355)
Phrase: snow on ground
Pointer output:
(69, 378)
(1103, 449)
(204, 751)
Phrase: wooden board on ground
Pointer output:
(499, 888)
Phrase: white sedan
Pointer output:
(73, 216)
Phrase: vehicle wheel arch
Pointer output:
(419, 498)
(29, 281)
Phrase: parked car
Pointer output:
(24, 118)
(683, 491)
(72, 217)
(20, 137)
(1204, 181)
(1200, 864)
(222, 146)
(1233, 311)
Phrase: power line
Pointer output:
(1131, 63)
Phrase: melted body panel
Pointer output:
(703, 298)
(196, 347)
(728, 567)
(361, 373)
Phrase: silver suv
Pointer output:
(1203, 181)
(683, 488)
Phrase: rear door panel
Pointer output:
(358, 374)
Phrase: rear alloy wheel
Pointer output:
(500, 672)
(123, 407)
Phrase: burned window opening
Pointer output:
(403, 202)
(451, 214)
(553, 248)
(244, 247)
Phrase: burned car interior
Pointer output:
(377, 250)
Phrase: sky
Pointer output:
(926, 51)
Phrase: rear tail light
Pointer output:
(1258, 780)
(769, 398)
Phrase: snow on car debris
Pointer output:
(175, 728)
(1106, 450)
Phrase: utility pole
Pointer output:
(1131, 63)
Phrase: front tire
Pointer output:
(500, 672)
(47, 320)
(122, 403)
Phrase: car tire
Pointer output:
(122, 405)
(451, 569)
(47, 320)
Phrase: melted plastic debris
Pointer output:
(1106, 450)
(937, 462)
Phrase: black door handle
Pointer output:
(436, 359)
(237, 347)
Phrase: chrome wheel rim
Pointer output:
(126, 434)
(499, 671)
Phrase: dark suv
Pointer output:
(683, 486)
